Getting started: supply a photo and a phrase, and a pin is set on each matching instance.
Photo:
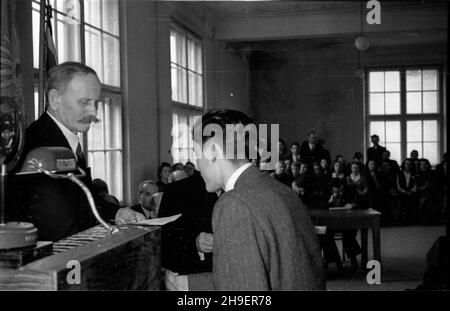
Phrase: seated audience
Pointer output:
(325, 152)
(357, 157)
(146, 205)
(177, 175)
(302, 184)
(100, 188)
(177, 166)
(386, 156)
(426, 188)
(280, 175)
(310, 150)
(164, 171)
(325, 167)
(406, 183)
(319, 187)
(389, 193)
(357, 187)
(374, 182)
(283, 152)
(338, 172)
(189, 168)
(340, 158)
(295, 152)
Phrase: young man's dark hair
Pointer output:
(223, 117)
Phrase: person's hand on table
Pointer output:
(128, 216)
(204, 242)
(176, 282)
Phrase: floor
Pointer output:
(403, 252)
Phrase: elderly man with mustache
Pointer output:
(58, 208)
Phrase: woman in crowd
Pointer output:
(357, 187)
(295, 152)
(164, 171)
(407, 189)
(338, 173)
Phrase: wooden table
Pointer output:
(362, 219)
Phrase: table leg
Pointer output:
(364, 234)
(376, 239)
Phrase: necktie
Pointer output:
(81, 161)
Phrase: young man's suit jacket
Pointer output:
(263, 240)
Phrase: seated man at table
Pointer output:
(350, 244)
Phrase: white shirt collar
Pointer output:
(234, 177)
(70, 136)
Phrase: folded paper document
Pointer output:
(159, 221)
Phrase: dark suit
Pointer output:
(312, 155)
(263, 240)
(375, 153)
(188, 197)
(57, 207)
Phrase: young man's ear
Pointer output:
(53, 99)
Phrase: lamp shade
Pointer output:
(362, 43)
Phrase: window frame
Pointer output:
(403, 116)
(105, 88)
(181, 108)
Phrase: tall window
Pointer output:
(405, 111)
(186, 58)
(98, 48)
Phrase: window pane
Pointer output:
(392, 81)
(414, 146)
(93, 51)
(430, 80)
(113, 123)
(414, 131)
(182, 85)
(430, 152)
(199, 85)
(392, 103)
(198, 57)
(393, 131)
(191, 54)
(192, 89)
(68, 40)
(173, 46)
(114, 173)
(376, 82)
(430, 104)
(413, 102)
(97, 164)
(377, 128)
(173, 76)
(376, 106)
(92, 12)
(112, 60)
(70, 7)
(111, 16)
(395, 150)
(35, 16)
(95, 133)
(413, 80)
(430, 130)
(36, 104)
(181, 49)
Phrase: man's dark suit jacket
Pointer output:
(375, 153)
(311, 156)
(57, 207)
(190, 198)
(263, 240)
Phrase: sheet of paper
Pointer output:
(339, 208)
(159, 221)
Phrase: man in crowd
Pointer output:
(311, 151)
(146, 205)
(263, 236)
(376, 151)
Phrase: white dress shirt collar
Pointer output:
(70, 136)
(234, 177)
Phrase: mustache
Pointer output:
(89, 119)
